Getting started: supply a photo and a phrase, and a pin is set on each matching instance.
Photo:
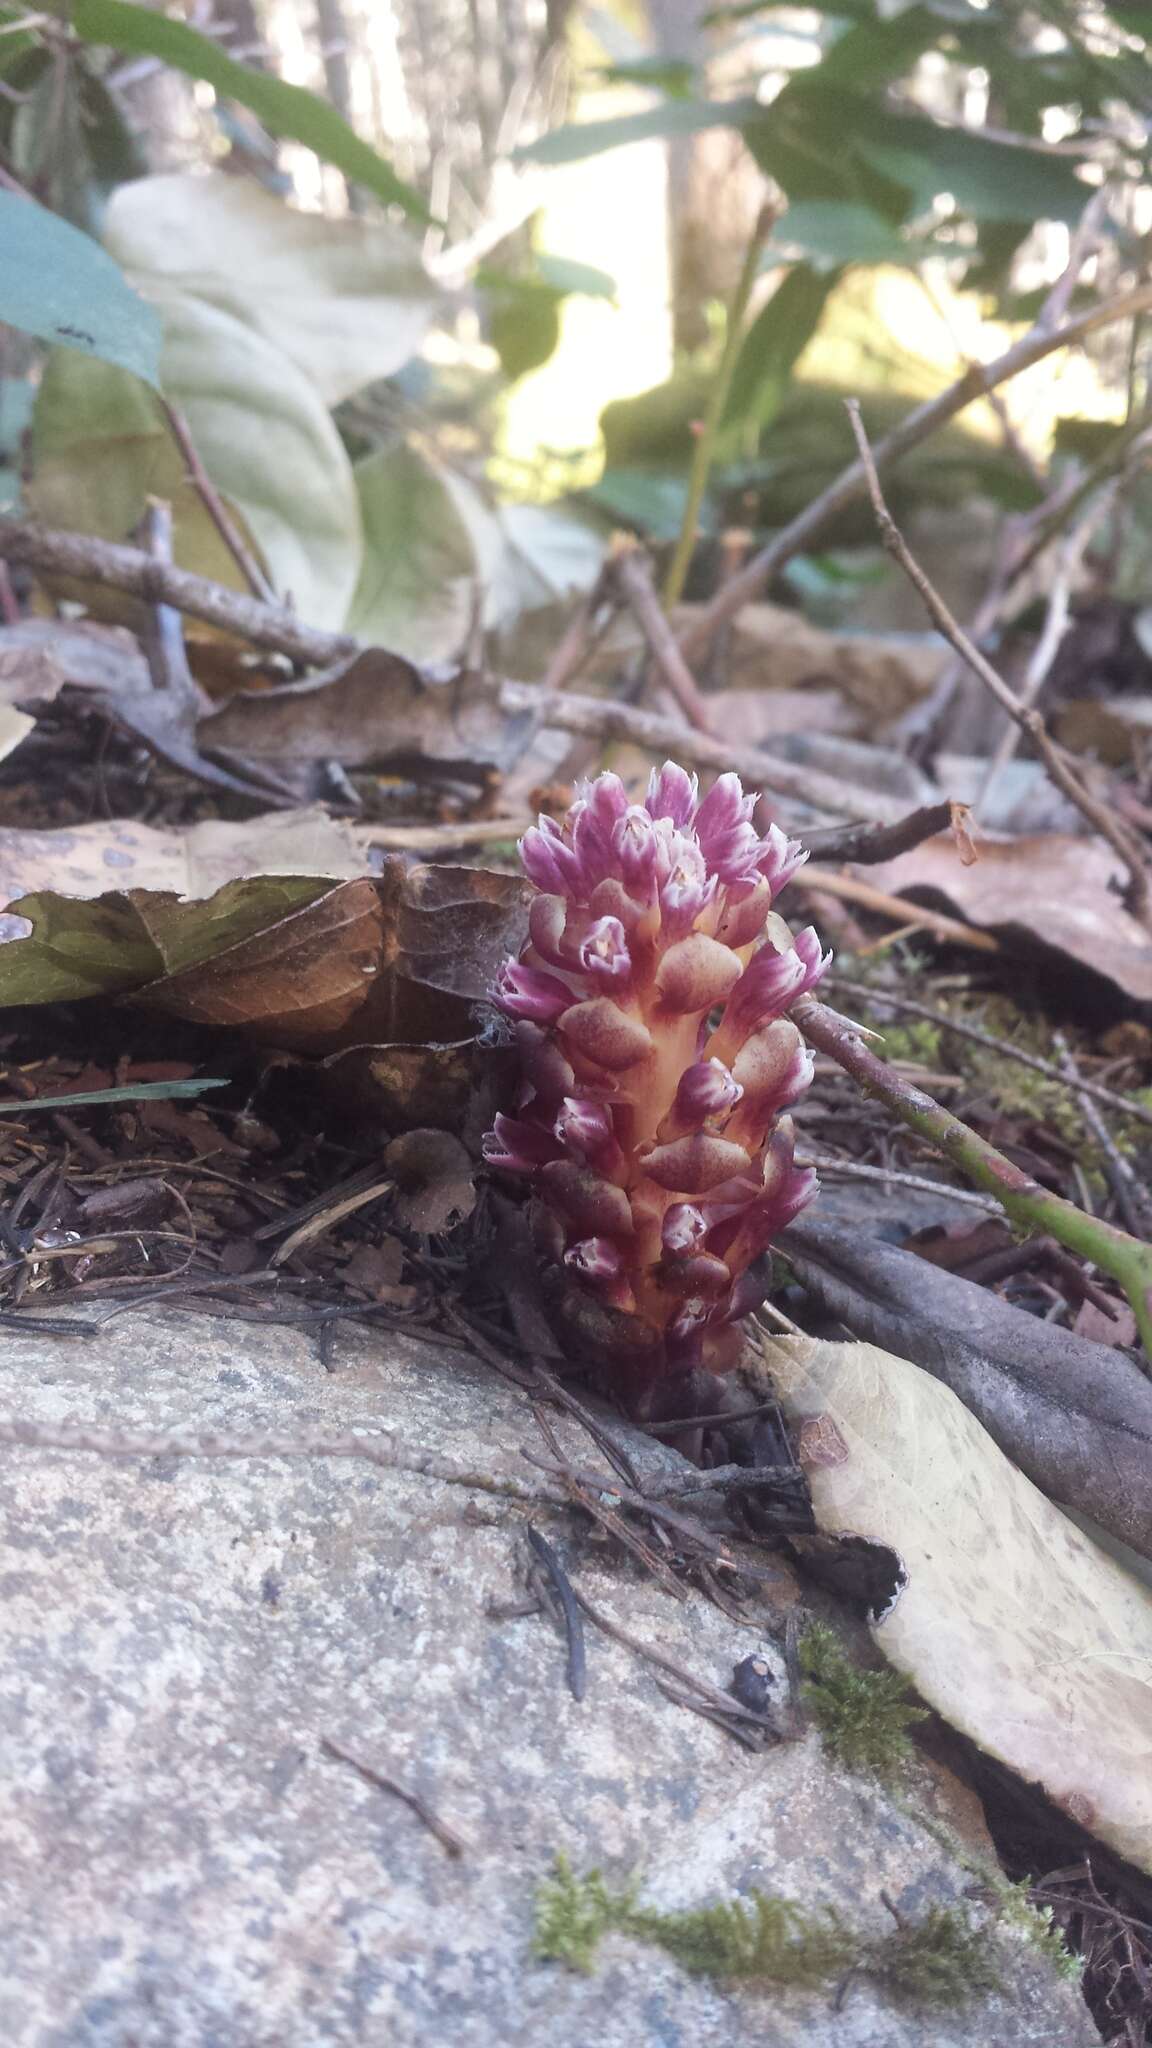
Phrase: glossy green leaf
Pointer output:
(285, 110)
(61, 286)
(991, 180)
(774, 342)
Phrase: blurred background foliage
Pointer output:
(441, 285)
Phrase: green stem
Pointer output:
(1024, 1201)
(704, 451)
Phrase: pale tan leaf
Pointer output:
(1014, 1625)
(349, 301)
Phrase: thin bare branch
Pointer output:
(1057, 762)
(976, 382)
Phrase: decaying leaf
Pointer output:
(375, 710)
(1014, 1625)
(38, 656)
(247, 931)
(88, 860)
(434, 1185)
(1074, 1415)
(1061, 891)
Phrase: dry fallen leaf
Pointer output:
(1058, 889)
(1013, 1624)
(376, 709)
(1073, 1415)
(87, 860)
(38, 656)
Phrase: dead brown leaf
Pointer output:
(38, 656)
(1059, 890)
(373, 710)
(433, 1175)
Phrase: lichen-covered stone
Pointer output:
(181, 1864)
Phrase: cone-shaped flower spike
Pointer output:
(657, 1064)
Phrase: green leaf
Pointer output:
(348, 300)
(262, 431)
(285, 110)
(836, 231)
(673, 75)
(144, 1091)
(990, 180)
(106, 945)
(673, 117)
(775, 341)
(417, 583)
(575, 279)
(648, 500)
(59, 285)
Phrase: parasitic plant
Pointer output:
(657, 1063)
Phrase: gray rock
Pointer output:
(183, 1866)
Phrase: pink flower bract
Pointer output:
(657, 1062)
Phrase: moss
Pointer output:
(574, 1913)
(755, 1937)
(1037, 1926)
(863, 1716)
(940, 1960)
(916, 1042)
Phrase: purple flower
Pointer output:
(524, 992)
(656, 1066)
(604, 953)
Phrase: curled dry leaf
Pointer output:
(1074, 1415)
(273, 927)
(375, 709)
(1014, 1625)
(434, 1185)
(1063, 892)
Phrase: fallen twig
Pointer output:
(1023, 1200)
(215, 507)
(976, 382)
(634, 579)
(604, 718)
(384, 1782)
(569, 1609)
(868, 845)
(856, 1169)
(1127, 1186)
(885, 999)
(55, 553)
(1058, 763)
(899, 907)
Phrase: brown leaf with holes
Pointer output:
(1062, 892)
(433, 1175)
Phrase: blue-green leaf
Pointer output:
(144, 1091)
(59, 285)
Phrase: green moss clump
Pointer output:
(753, 1937)
(864, 1716)
(574, 1913)
(941, 1960)
(1037, 1926)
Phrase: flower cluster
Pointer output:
(656, 1062)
